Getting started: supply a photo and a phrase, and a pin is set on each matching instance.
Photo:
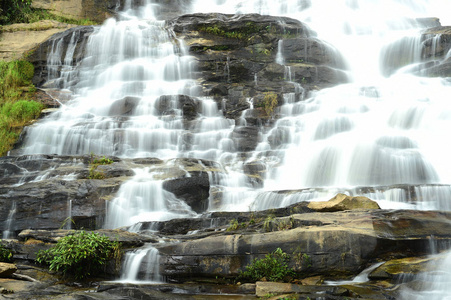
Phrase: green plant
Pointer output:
(16, 109)
(94, 163)
(274, 267)
(270, 102)
(14, 11)
(80, 255)
(6, 254)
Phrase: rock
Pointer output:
(233, 67)
(428, 51)
(95, 10)
(328, 244)
(6, 270)
(344, 202)
(170, 104)
(278, 288)
(123, 106)
(316, 280)
(397, 269)
(38, 55)
(19, 39)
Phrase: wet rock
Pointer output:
(428, 51)
(344, 202)
(401, 268)
(39, 54)
(193, 190)
(236, 56)
(123, 106)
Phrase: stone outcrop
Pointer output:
(328, 244)
(6, 270)
(236, 57)
(62, 181)
(344, 202)
(17, 40)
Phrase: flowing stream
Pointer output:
(383, 129)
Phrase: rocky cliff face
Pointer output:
(237, 57)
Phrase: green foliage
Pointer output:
(14, 11)
(270, 102)
(20, 11)
(6, 255)
(274, 267)
(94, 163)
(102, 161)
(16, 109)
(13, 76)
(80, 255)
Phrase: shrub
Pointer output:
(14, 11)
(80, 255)
(274, 267)
(5, 254)
(270, 102)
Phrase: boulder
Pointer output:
(344, 202)
(236, 57)
(328, 243)
(6, 270)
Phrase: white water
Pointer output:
(375, 131)
(133, 265)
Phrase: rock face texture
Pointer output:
(41, 189)
(18, 39)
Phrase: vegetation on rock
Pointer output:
(16, 108)
(270, 103)
(95, 162)
(80, 255)
(20, 11)
(274, 267)
(5, 254)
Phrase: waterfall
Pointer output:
(384, 128)
(9, 232)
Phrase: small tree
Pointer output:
(274, 267)
(5, 254)
(80, 255)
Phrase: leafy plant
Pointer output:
(274, 267)
(14, 11)
(16, 108)
(6, 254)
(80, 255)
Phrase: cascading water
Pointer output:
(385, 128)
